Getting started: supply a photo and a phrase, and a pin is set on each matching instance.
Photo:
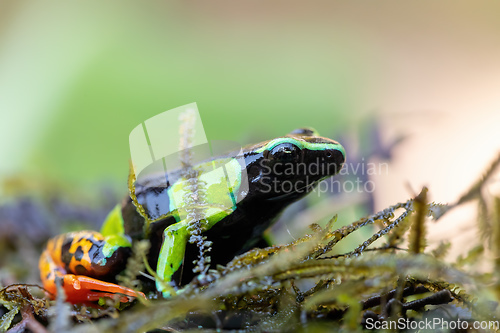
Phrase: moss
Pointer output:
(300, 286)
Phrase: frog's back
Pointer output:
(161, 199)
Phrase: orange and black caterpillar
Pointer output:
(77, 259)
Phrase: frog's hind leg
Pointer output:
(80, 259)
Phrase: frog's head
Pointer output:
(291, 166)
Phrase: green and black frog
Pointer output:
(232, 212)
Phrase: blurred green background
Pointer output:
(76, 77)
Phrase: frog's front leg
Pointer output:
(80, 260)
(171, 257)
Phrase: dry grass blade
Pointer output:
(417, 232)
(475, 190)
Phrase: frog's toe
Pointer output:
(81, 289)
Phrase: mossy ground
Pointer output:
(297, 286)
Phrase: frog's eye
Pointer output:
(285, 152)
